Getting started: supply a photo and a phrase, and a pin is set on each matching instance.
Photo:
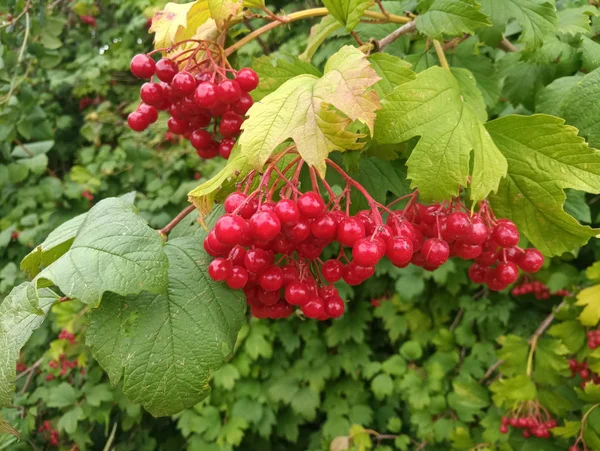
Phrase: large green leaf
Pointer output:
(537, 17)
(275, 70)
(452, 18)
(575, 21)
(433, 108)
(166, 346)
(21, 312)
(392, 70)
(314, 112)
(544, 157)
(582, 107)
(114, 250)
(347, 12)
(318, 34)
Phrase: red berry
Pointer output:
(142, 66)
(309, 249)
(219, 269)
(206, 95)
(574, 448)
(531, 260)
(149, 112)
(466, 251)
(178, 126)
(247, 79)
(268, 297)
(584, 373)
(152, 94)
(477, 273)
(166, 69)
(334, 306)
(507, 273)
(299, 231)
(290, 273)
(367, 252)
(311, 204)
(458, 225)
(208, 152)
(256, 260)
(479, 231)
(504, 429)
(271, 279)
(231, 229)
(225, 147)
(243, 105)
(506, 234)
(201, 139)
(229, 91)
(332, 270)
(231, 124)
(400, 251)
(314, 307)
(324, 227)
(435, 251)
(296, 293)
(350, 230)
(137, 121)
(264, 225)
(287, 211)
(183, 84)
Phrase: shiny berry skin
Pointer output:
(290, 273)
(479, 231)
(504, 429)
(271, 279)
(225, 147)
(243, 105)
(264, 225)
(234, 200)
(332, 270)
(149, 112)
(299, 231)
(201, 139)
(477, 273)
(309, 249)
(287, 211)
(166, 69)
(311, 205)
(152, 93)
(314, 307)
(236, 255)
(183, 84)
(324, 227)
(367, 252)
(231, 229)
(458, 225)
(507, 273)
(505, 233)
(231, 124)
(178, 126)
(137, 121)
(435, 251)
(206, 95)
(350, 230)
(142, 66)
(531, 260)
(219, 269)
(400, 251)
(247, 79)
(466, 251)
(296, 293)
(256, 260)
(334, 306)
(238, 278)
(229, 91)
(268, 297)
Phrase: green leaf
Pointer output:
(36, 164)
(544, 157)
(470, 92)
(68, 422)
(29, 150)
(305, 402)
(550, 365)
(382, 386)
(570, 333)
(318, 34)
(582, 107)
(114, 250)
(569, 430)
(392, 70)
(452, 18)
(590, 54)
(589, 298)
(550, 99)
(509, 391)
(193, 328)
(301, 109)
(98, 394)
(6, 428)
(537, 17)
(21, 312)
(348, 12)
(275, 70)
(468, 399)
(577, 206)
(62, 395)
(224, 11)
(575, 21)
(433, 108)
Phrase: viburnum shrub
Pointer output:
(393, 168)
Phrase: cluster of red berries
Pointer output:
(89, 20)
(64, 363)
(539, 289)
(582, 369)
(21, 366)
(51, 435)
(197, 100)
(593, 338)
(66, 335)
(531, 425)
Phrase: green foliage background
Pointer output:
(411, 368)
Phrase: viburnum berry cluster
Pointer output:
(593, 338)
(51, 435)
(532, 418)
(270, 246)
(539, 289)
(582, 369)
(63, 363)
(66, 335)
(205, 97)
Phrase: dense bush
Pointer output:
(420, 360)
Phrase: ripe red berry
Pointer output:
(243, 105)
(137, 121)
(206, 95)
(505, 233)
(466, 251)
(350, 230)
(477, 273)
(435, 251)
(231, 124)
(183, 84)
(166, 69)
(247, 79)
(231, 229)
(149, 112)
(142, 66)
(324, 227)
(314, 307)
(296, 293)
(507, 273)
(311, 204)
(332, 270)
(264, 225)
(334, 306)
(229, 91)
(458, 225)
(219, 269)
(271, 279)
(299, 231)
(504, 429)
(152, 94)
(225, 147)
(287, 211)
(256, 260)
(201, 139)
(367, 252)
(400, 251)
(531, 260)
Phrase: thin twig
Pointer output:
(439, 50)
(545, 324)
(30, 369)
(176, 220)
(394, 35)
(459, 316)
(111, 437)
(491, 370)
(507, 46)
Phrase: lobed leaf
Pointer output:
(452, 18)
(589, 299)
(318, 34)
(177, 22)
(348, 12)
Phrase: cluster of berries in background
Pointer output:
(50, 435)
(271, 246)
(593, 338)
(207, 103)
(533, 420)
(582, 370)
(539, 289)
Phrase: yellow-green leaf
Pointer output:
(224, 11)
(348, 12)
(314, 112)
(590, 300)
(318, 34)
(178, 22)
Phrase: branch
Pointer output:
(404, 29)
(490, 370)
(439, 50)
(176, 220)
(507, 46)
(30, 369)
